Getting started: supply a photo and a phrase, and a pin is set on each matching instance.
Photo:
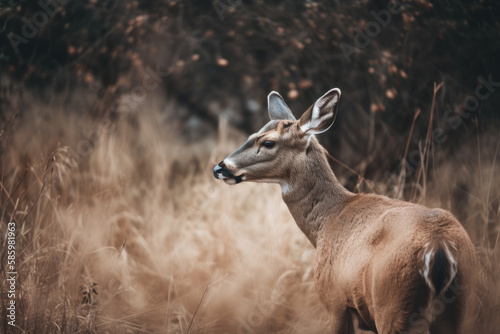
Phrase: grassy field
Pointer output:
(124, 229)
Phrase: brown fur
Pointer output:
(370, 260)
(370, 250)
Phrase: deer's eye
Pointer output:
(268, 143)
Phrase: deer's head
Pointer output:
(272, 154)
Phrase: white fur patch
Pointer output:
(426, 271)
(453, 265)
(285, 188)
(229, 164)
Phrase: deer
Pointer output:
(381, 265)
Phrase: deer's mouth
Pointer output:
(222, 173)
(234, 179)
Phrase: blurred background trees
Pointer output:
(223, 58)
(70, 70)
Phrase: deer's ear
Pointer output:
(321, 115)
(278, 110)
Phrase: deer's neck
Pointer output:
(312, 192)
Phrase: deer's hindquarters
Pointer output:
(400, 271)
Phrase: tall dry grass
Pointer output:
(137, 237)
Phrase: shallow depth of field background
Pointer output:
(113, 114)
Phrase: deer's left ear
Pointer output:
(278, 109)
(321, 116)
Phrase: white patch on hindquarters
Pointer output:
(435, 304)
(453, 262)
(428, 256)
(425, 273)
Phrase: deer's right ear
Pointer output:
(321, 116)
(278, 110)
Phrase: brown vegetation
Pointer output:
(137, 236)
(120, 225)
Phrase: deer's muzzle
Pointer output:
(221, 172)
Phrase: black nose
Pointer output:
(220, 170)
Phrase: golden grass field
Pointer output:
(138, 237)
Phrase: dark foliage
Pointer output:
(227, 67)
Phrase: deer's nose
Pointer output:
(221, 172)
